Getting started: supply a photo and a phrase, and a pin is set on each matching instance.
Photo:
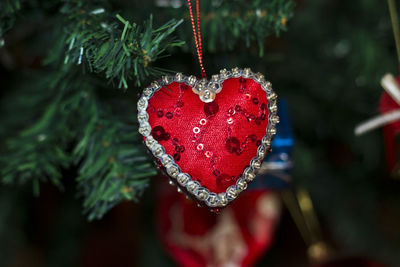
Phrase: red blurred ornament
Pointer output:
(237, 236)
(390, 131)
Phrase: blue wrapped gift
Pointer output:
(276, 168)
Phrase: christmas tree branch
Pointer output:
(38, 152)
(8, 8)
(112, 164)
(120, 49)
(226, 23)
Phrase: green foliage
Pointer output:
(112, 166)
(8, 8)
(224, 24)
(120, 49)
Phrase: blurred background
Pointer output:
(326, 62)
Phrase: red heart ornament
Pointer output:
(209, 136)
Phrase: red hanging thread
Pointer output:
(197, 35)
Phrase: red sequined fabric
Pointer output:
(213, 142)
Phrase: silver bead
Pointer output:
(272, 130)
(150, 142)
(274, 107)
(166, 79)
(259, 77)
(215, 78)
(183, 178)
(222, 199)
(267, 86)
(155, 85)
(246, 72)
(216, 87)
(172, 170)
(166, 160)
(180, 191)
(158, 150)
(179, 77)
(249, 174)
(224, 73)
(145, 129)
(148, 92)
(275, 119)
(143, 116)
(235, 72)
(261, 151)
(231, 192)
(192, 80)
(266, 141)
(212, 200)
(170, 182)
(142, 104)
(202, 193)
(272, 96)
(192, 186)
(241, 184)
(207, 96)
(256, 164)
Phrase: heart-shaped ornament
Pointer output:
(210, 137)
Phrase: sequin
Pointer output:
(177, 111)
(258, 120)
(200, 147)
(242, 80)
(175, 140)
(177, 156)
(203, 121)
(152, 109)
(210, 109)
(183, 86)
(169, 115)
(231, 112)
(263, 106)
(196, 130)
(248, 96)
(216, 172)
(208, 154)
(251, 138)
(158, 133)
(166, 136)
(263, 116)
(232, 145)
(180, 149)
(229, 120)
(258, 142)
(238, 108)
(180, 103)
(225, 180)
(255, 100)
(160, 113)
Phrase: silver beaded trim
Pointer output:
(207, 91)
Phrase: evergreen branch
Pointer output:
(113, 167)
(8, 8)
(120, 49)
(39, 152)
(246, 20)
(225, 23)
